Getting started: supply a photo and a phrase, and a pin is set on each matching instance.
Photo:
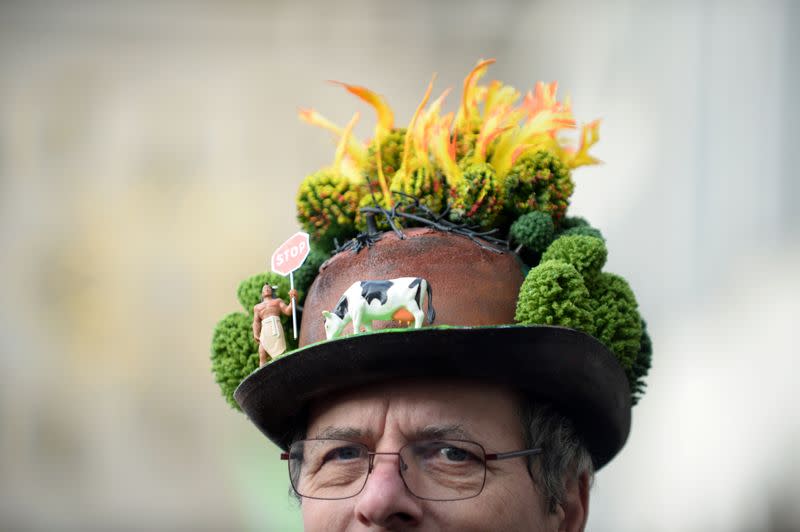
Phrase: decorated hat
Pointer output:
(443, 249)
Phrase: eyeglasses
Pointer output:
(435, 470)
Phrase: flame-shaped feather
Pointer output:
(469, 99)
(495, 124)
(543, 98)
(545, 110)
(411, 131)
(387, 196)
(590, 134)
(441, 149)
(499, 95)
(355, 149)
(341, 148)
(378, 102)
(423, 128)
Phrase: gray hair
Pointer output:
(564, 457)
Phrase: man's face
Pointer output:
(266, 292)
(386, 417)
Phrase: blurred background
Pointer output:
(149, 157)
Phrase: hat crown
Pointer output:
(471, 285)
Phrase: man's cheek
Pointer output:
(319, 516)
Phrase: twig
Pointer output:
(410, 208)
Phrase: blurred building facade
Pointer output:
(149, 155)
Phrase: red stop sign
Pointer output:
(291, 254)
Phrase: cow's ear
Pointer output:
(326, 314)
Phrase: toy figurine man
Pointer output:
(267, 328)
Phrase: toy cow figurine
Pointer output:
(399, 299)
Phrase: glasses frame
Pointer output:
(402, 466)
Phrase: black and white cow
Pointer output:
(365, 301)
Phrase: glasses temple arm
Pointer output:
(513, 454)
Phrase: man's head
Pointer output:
(548, 322)
(267, 292)
(386, 430)
(546, 492)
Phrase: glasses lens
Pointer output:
(328, 469)
(444, 470)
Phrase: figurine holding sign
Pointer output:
(267, 328)
(286, 259)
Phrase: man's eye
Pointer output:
(343, 453)
(444, 452)
(454, 454)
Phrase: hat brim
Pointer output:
(567, 369)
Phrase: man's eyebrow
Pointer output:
(452, 431)
(340, 433)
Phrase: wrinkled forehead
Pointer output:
(410, 409)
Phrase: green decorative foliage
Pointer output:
(538, 182)
(584, 230)
(586, 253)
(305, 275)
(234, 353)
(575, 225)
(391, 155)
(567, 288)
(327, 203)
(554, 293)
(465, 143)
(476, 197)
(568, 222)
(617, 319)
(534, 230)
(641, 366)
(425, 184)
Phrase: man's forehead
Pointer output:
(419, 391)
(421, 409)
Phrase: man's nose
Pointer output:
(385, 501)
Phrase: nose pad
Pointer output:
(402, 465)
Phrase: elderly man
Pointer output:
(476, 425)
(496, 416)
(439, 455)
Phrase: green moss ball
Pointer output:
(327, 203)
(538, 182)
(586, 253)
(554, 293)
(534, 230)
(476, 199)
(584, 230)
(234, 353)
(616, 317)
(575, 225)
(641, 366)
(568, 222)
